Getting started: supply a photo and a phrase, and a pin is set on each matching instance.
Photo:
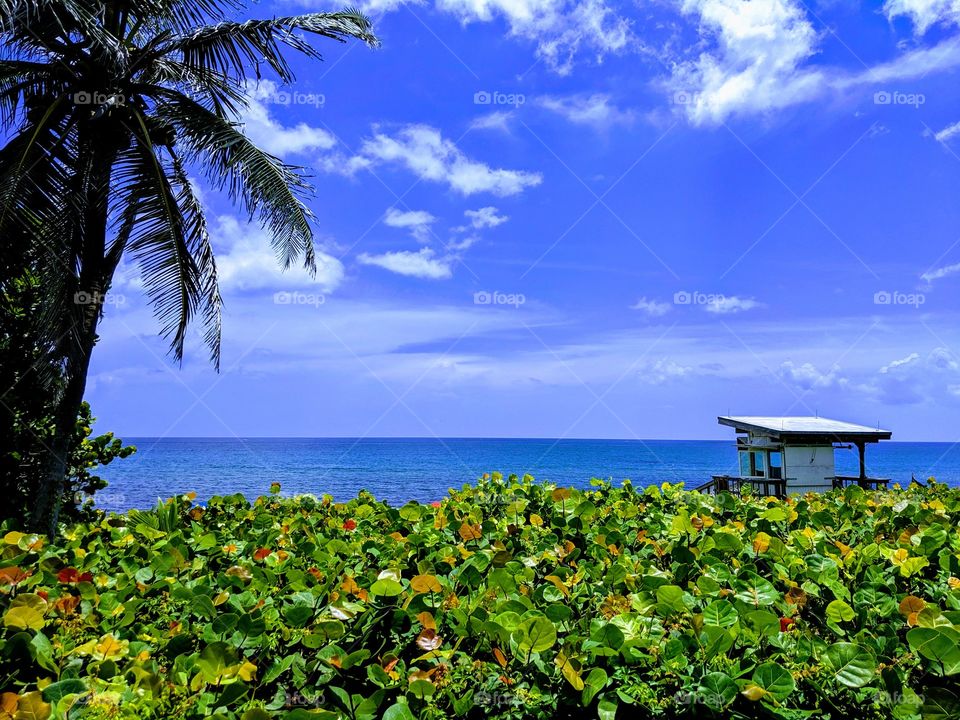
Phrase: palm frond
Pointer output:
(156, 234)
(266, 187)
(231, 46)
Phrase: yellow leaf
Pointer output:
(753, 692)
(536, 520)
(425, 583)
(32, 707)
(953, 582)
(246, 671)
(26, 612)
(221, 598)
(761, 542)
(426, 619)
(440, 521)
(561, 494)
(899, 557)
(13, 537)
(109, 647)
(571, 670)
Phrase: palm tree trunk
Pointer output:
(94, 280)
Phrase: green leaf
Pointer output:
(720, 613)
(607, 709)
(716, 690)
(852, 665)
(595, 681)
(939, 644)
(535, 635)
(55, 692)
(670, 598)
(756, 591)
(774, 679)
(838, 611)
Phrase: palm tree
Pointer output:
(106, 107)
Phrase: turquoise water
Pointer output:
(401, 469)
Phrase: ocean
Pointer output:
(402, 469)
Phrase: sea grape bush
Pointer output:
(507, 599)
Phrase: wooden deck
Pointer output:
(731, 484)
(778, 487)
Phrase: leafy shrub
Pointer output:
(508, 599)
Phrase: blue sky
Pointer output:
(541, 218)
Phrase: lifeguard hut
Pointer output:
(783, 455)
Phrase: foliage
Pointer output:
(507, 599)
(87, 453)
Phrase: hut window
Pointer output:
(776, 465)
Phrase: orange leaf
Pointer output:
(470, 532)
(425, 584)
(261, 554)
(12, 575)
(796, 596)
(911, 605)
(500, 657)
(67, 604)
(8, 705)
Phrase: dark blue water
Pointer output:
(401, 469)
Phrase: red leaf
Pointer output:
(261, 554)
(350, 525)
(786, 624)
(68, 575)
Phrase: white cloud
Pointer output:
(497, 120)
(808, 377)
(653, 308)
(485, 217)
(417, 222)
(562, 29)
(247, 261)
(758, 47)
(584, 109)
(422, 150)
(422, 263)
(727, 304)
(271, 135)
(939, 273)
(664, 370)
(948, 132)
(924, 13)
